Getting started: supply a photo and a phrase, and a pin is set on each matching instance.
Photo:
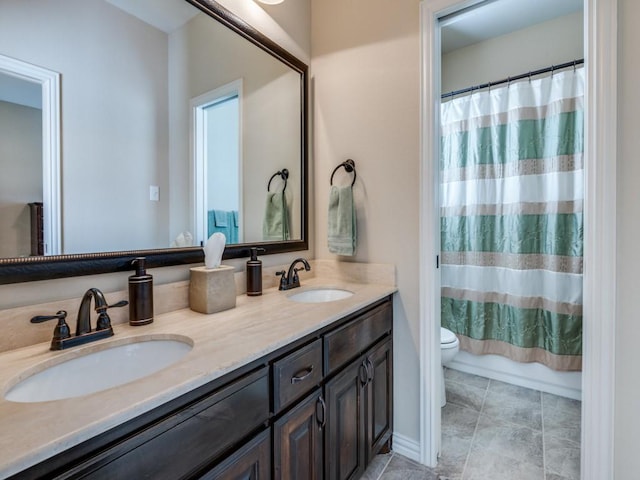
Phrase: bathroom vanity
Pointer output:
(271, 389)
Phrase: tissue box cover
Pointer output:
(212, 290)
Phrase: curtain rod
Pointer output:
(551, 69)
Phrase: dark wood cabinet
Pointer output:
(298, 447)
(359, 405)
(182, 444)
(318, 408)
(251, 462)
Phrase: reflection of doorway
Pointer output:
(218, 163)
(600, 244)
(23, 82)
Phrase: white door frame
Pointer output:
(600, 21)
(49, 82)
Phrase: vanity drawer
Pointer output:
(296, 374)
(190, 439)
(350, 340)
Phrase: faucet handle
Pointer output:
(121, 303)
(283, 278)
(60, 315)
(62, 329)
(104, 322)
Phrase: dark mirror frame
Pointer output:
(28, 269)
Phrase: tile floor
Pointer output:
(496, 431)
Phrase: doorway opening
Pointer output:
(218, 163)
(27, 90)
(597, 380)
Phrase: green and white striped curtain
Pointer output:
(512, 220)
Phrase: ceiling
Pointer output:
(493, 18)
(165, 15)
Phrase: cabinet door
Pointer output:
(345, 446)
(297, 438)
(251, 462)
(379, 364)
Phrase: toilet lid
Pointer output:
(447, 336)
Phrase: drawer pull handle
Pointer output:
(301, 375)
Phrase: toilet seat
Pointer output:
(448, 339)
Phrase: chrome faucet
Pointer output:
(290, 279)
(62, 336)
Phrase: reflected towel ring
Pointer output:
(350, 166)
(284, 174)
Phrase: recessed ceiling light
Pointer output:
(271, 2)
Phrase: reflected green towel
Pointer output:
(275, 226)
(342, 221)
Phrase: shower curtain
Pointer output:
(511, 220)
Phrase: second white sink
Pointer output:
(320, 295)
(99, 370)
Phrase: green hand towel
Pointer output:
(342, 221)
(275, 226)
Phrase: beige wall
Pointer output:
(20, 175)
(540, 46)
(365, 66)
(366, 98)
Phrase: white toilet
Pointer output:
(449, 346)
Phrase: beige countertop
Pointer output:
(222, 342)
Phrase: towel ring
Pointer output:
(350, 166)
(284, 174)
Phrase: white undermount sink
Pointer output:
(99, 370)
(320, 295)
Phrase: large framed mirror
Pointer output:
(139, 128)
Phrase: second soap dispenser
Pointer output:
(140, 295)
(254, 273)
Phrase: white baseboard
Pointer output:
(530, 375)
(407, 447)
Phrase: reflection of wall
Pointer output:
(267, 117)
(20, 177)
(539, 46)
(287, 24)
(113, 147)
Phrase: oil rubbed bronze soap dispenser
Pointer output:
(254, 273)
(140, 295)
